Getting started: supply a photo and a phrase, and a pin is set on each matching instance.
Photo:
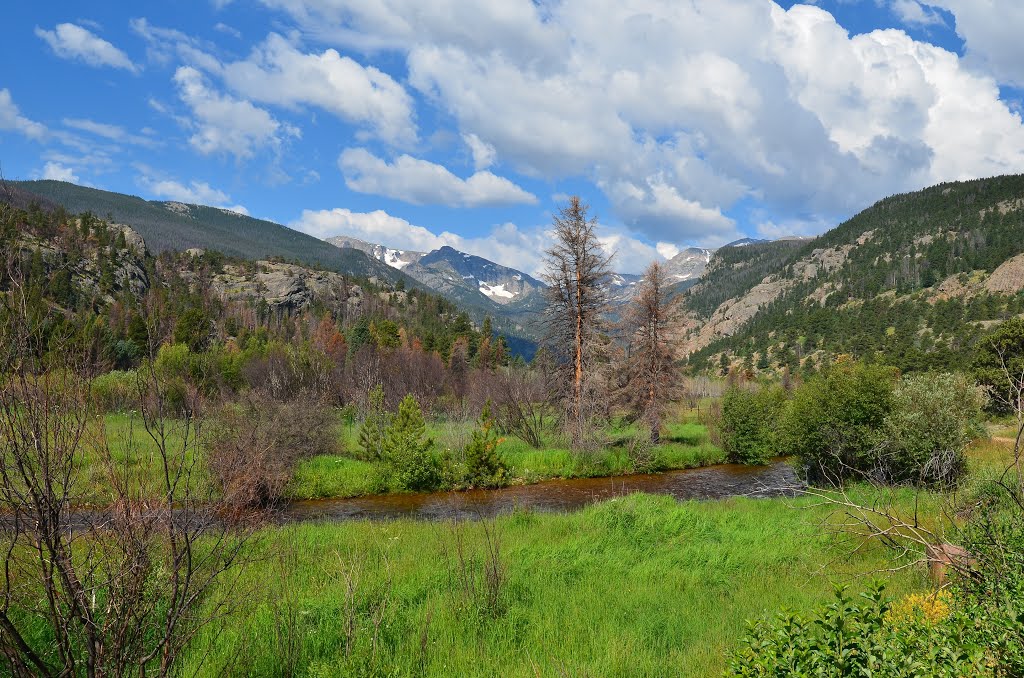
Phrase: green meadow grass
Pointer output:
(636, 586)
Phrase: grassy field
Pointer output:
(637, 586)
(133, 452)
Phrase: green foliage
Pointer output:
(407, 450)
(116, 391)
(994, 595)
(857, 638)
(749, 423)
(831, 423)
(374, 426)
(934, 417)
(999, 361)
(193, 329)
(484, 467)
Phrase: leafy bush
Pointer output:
(999, 356)
(832, 421)
(995, 589)
(407, 452)
(860, 638)
(484, 467)
(748, 426)
(934, 417)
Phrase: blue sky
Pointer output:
(417, 124)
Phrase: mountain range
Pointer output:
(917, 277)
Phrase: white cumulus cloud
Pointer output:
(12, 120)
(70, 41)
(681, 112)
(421, 182)
(991, 30)
(196, 193)
(58, 172)
(278, 73)
(224, 124)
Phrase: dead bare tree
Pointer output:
(107, 592)
(520, 404)
(651, 380)
(576, 273)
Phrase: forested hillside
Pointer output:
(917, 276)
(177, 226)
(96, 285)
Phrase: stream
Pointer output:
(711, 482)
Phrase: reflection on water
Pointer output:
(713, 482)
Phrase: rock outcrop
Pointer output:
(285, 286)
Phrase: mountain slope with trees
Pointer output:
(916, 277)
(180, 226)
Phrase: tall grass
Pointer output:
(637, 586)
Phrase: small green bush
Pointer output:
(116, 391)
(832, 421)
(934, 418)
(858, 638)
(374, 426)
(748, 427)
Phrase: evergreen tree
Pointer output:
(374, 426)
(484, 467)
(407, 450)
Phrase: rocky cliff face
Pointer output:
(285, 286)
(688, 264)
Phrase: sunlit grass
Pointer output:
(637, 586)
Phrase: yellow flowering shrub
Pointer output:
(928, 607)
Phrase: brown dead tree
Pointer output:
(576, 271)
(651, 380)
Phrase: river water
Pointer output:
(712, 482)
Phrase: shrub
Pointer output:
(253, 445)
(832, 421)
(407, 452)
(116, 391)
(994, 593)
(999, 361)
(748, 426)
(859, 638)
(934, 417)
(484, 467)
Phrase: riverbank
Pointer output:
(710, 482)
(685, 445)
